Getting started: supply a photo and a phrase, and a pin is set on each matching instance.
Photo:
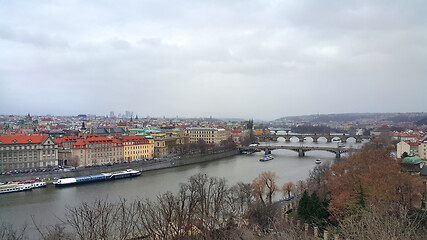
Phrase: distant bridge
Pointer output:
(315, 137)
(275, 130)
(299, 149)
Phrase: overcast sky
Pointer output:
(225, 58)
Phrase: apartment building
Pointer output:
(67, 142)
(136, 147)
(167, 143)
(97, 151)
(402, 147)
(23, 152)
(208, 135)
(422, 150)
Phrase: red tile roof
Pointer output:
(412, 143)
(95, 140)
(75, 138)
(22, 138)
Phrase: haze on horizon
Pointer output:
(246, 59)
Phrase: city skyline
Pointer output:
(241, 59)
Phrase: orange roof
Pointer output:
(412, 143)
(400, 134)
(22, 138)
(75, 138)
(95, 140)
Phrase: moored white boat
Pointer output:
(122, 174)
(35, 183)
(15, 187)
(39, 184)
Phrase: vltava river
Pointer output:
(48, 203)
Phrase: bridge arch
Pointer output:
(281, 139)
(315, 151)
(322, 139)
(336, 138)
(295, 139)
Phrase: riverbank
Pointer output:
(142, 166)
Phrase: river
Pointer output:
(48, 203)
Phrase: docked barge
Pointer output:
(97, 178)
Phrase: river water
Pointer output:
(47, 204)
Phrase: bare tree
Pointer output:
(288, 188)
(239, 198)
(7, 231)
(317, 180)
(265, 184)
(300, 187)
(92, 221)
(52, 232)
(381, 223)
(74, 162)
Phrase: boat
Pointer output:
(341, 144)
(318, 161)
(15, 187)
(266, 158)
(35, 183)
(39, 184)
(97, 178)
(123, 174)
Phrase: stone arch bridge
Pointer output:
(299, 149)
(315, 137)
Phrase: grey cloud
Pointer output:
(38, 39)
(205, 58)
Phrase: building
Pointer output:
(402, 147)
(383, 130)
(422, 150)
(97, 151)
(136, 147)
(403, 136)
(108, 131)
(25, 152)
(412, 164)
(411, 148)
(69, 141)
(64, 156)
(207, 135)
(169, 143)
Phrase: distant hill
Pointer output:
(422, 122)
(357, 117)
(232, 119)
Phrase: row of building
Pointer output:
(23, 152)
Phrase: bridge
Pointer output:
(275, 130)
(299, 149)
(315, 137)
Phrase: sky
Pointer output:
(261, 59)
